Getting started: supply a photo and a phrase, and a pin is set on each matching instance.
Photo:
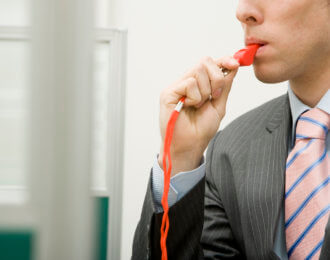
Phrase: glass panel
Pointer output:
(14, 58)
(100, 114)
(15, 12)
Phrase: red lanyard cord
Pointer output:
(167, 176)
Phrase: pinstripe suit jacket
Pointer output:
(233, 212)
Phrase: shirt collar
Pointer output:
(297, 108)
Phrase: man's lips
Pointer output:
(261, 50)
(253, 40)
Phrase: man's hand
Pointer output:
(206, 91)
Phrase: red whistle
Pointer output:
(245, 56)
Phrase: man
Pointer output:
(264, 190)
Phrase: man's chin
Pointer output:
(270, 75)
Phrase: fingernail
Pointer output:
(217, 93)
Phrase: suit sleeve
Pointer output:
(185, 239)
(186, 223)
(217, 238)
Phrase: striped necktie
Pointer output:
(307, 189)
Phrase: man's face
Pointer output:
(297, 33)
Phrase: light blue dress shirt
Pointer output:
(182, 182)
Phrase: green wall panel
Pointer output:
(16, 245)
(102, 205)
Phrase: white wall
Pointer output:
(165, 38)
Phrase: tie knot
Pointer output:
(314, 123)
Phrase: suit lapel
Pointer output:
(265, 179)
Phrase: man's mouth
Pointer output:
(253, 40)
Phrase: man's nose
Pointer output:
(249, 12)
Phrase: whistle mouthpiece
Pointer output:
(245, 56)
